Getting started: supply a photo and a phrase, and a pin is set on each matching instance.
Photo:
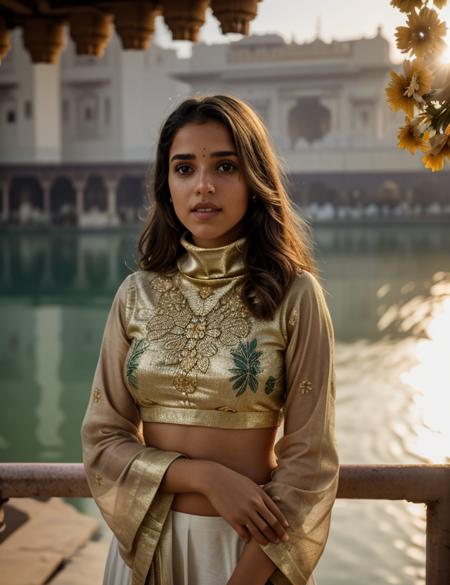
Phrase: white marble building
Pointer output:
(84, 109)
(324, 103)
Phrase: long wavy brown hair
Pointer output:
(278, 239)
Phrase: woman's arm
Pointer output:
(187, 476)
(237, 498)
(123, 473)
(306, 477)
(254, 566)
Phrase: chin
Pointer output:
(212, 239)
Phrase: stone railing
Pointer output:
(428, 484)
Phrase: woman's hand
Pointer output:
(244, 505)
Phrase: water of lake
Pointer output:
(388, 289)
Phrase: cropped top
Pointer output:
(197, 356)
(182, 348)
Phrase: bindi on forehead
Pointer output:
(203, 152)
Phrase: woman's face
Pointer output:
(208, 190)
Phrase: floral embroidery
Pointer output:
(247, 367)
(305, 387)
(140, 345)
(192, 335)
(205, 292)
(270, 385)
(96, 395)
(185, 384)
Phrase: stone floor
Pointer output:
(51, 544)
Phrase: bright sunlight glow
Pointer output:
(445, 57)
(430, 378)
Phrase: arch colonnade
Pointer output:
(85, 196)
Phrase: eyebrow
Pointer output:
(217, 154)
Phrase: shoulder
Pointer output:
(305, 303)
(135, 279)
(126, 292)
(124, 287)
(139, 286)
(304, 286)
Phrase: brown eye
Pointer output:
(183, 169)
(227, 167)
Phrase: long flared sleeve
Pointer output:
(306, 476)
(123, 474)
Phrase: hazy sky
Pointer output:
(336, 19)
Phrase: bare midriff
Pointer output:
(247, 451)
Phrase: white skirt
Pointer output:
(205, 551)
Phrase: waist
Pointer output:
(247, 451)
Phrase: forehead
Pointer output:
(209, 136)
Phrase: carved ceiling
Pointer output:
(90, 24)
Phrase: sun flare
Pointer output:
(445, 58)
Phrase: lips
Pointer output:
(205, 211)
(205, 207)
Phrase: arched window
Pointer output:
(308, 119)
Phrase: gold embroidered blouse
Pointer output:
(182, 348)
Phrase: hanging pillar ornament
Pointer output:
(235, 15)
(5, 40)
(134, 22)
(184, 18)
(43, 38)
(90, 30)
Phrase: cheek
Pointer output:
(177, 188)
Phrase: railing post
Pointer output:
(438, 542)
(2, 514)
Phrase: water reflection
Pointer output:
(41, 264)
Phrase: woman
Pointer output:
(223, 333)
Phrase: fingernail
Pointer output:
(286, 523)
(285, 537)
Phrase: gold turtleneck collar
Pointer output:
(212, 263)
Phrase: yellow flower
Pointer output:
(440, 3)
(406, 5)
(423, 33)
(410, 138)
(440, 150)
(404, 91)
(435, 162)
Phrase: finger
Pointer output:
(274, 524)
(275, 509)
(262, 523)
(257, 535)
(242, 531)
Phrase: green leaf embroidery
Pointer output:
(270, 385)
(247, 367)
(139, 347)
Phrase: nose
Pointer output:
(204, 185)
